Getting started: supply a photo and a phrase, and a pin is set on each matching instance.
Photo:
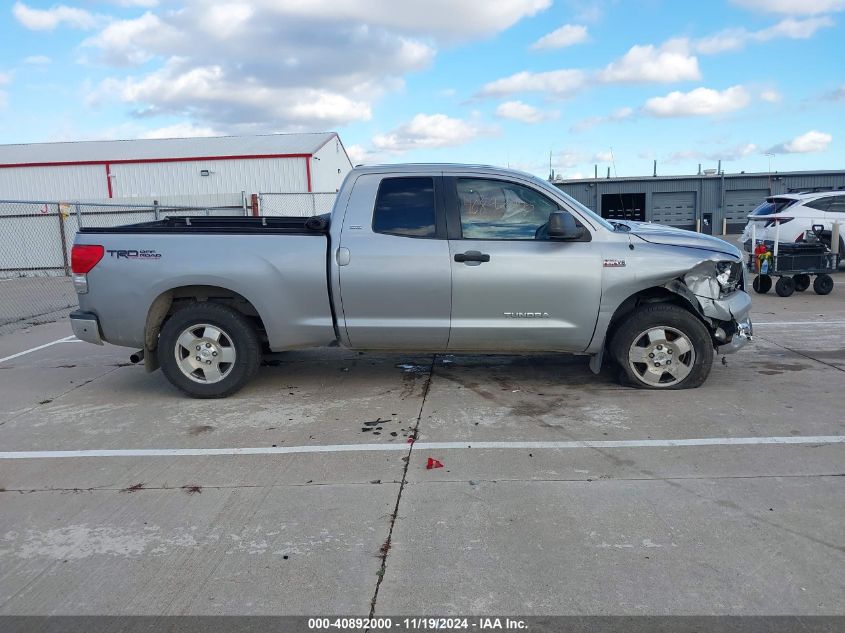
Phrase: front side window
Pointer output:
(500, 210)
(405, 206)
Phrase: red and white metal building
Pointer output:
(184, 168)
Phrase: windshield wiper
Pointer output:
(618, 226)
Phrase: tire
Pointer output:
(802, 282)
(785, 287)
(823, 284)
(762, 284)
(670, 334)
(221, 333)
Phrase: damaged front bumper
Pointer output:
(734, 330)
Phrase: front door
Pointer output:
(393, 264)
(512, 288)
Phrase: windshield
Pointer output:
(772, 206)
(573, 203)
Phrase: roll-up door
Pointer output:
(676, 208)
(739, 203)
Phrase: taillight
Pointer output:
(83, 257)
(778, 220)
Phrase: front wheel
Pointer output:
(208, 350)
(663, 346)
(762, 284)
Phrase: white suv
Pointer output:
(797, 213)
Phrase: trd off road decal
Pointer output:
(134, 254)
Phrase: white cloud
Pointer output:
(669, 62)
(37, 60)
(357, 154)
(590, 122)
(794, 29)
(144, 4)
(603, 157)
(793, 7)
(771, 96)
(809, 142)
(49, 19)
(263, 65)
(736, 38)
(698, 102)
(427, 131)
(123, 43)
(520, 111)
(450, 19)
(725, 40)
(560, 83)
(5, 78)
(180, 130)
(567, 35)
(836, 95)
(723, 153)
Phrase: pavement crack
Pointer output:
(384, 550)
(61, 395)
(802, 354)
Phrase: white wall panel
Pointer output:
(329, 167)
(66, 182)
(226, 176)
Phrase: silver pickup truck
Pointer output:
(436, 258)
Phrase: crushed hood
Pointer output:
(670, 236)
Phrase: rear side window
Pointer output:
(837, 205)
(821, 204)
(772, 206)
(405, 206)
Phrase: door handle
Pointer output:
(472, 256)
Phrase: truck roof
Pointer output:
(445, 167)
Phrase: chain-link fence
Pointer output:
(296, 204)
(35, 244)
(36, 238)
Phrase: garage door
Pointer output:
(739, 203)
(676, 209)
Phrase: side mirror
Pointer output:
(562, 226)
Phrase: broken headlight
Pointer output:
(728, 275)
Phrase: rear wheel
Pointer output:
(208, 350)
(663, 346)
(823, 284)
(762, 284)
(785, 286)
(802, 282)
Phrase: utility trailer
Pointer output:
(793, 264)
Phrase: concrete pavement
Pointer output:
(702, 529)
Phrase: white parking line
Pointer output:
(800, 323)
(67, 339)
(423, 446)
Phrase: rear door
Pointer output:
(512, 288)
(393, 263)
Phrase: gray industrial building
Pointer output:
(714, 203)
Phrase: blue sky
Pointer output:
(614, 83)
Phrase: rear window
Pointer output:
(405, 206)
(772, 206)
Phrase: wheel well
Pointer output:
(650, 295)
(171, 301)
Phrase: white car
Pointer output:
(797, 213)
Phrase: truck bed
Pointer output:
(311, 225)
